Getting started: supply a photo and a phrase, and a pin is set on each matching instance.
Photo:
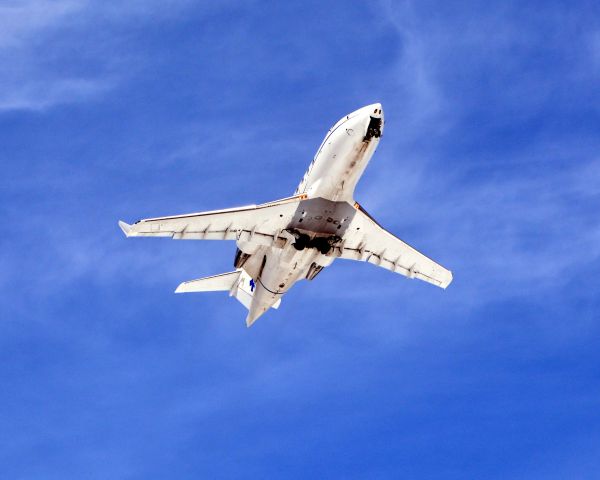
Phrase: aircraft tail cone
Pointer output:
(256, 311)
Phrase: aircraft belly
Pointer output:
(283, 241)
(254, 264)
(340, 163)
(283, 268)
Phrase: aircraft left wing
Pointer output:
(371, 243)
(258, 223)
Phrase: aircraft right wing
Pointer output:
(369, 242)
(258, 223)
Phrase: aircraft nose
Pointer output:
(375, 119)
(375, 110)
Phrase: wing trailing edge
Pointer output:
(371, 243)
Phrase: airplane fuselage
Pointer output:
(294, 238)
(327, 190)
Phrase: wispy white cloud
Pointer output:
(24, 83)
(414, 93)
(21, 21)
(509, 233)
(503, 230)
(45, 93)
(505, 225)
(43, 43)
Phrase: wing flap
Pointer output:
(369, 242)
(260, 223)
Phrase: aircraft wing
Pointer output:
(369, 242)
(258, 223)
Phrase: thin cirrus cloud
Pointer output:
(498, 217)
(488, 164)
(517, 206)
(26, 83)
(54, 53)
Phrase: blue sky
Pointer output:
(489, 164)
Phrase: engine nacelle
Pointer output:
(240, 258)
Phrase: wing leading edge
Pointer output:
(264, 223)
(257, 222)
(372, 243)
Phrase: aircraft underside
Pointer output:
(281, 242)
(302, 254)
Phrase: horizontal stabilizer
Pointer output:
(238, 283)
(216, 283)
(261, 223)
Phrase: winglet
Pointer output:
(125, 227)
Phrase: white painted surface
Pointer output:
(320, 223)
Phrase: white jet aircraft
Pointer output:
(281, 242)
